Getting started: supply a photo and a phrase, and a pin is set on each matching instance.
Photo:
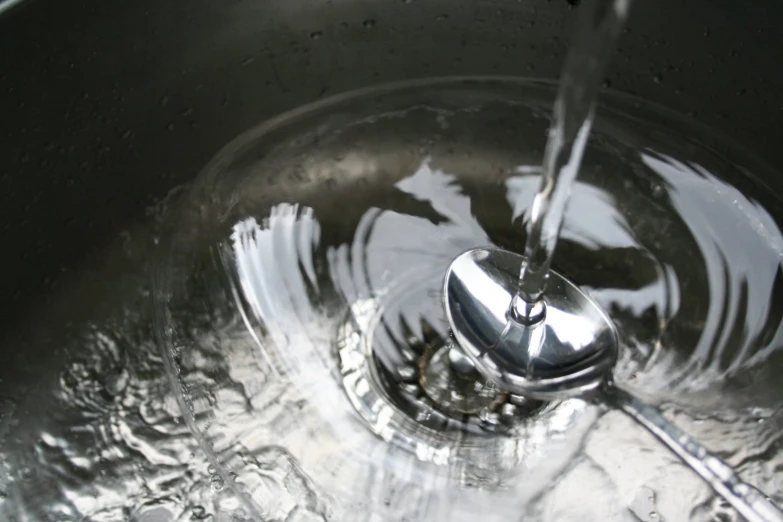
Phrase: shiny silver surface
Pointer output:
(105, 107)
(752, 504)
(570, 352)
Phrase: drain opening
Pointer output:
(434, 388)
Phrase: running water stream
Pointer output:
(299, 368)
(298, 300)
(595, 35)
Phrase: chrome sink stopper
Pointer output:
(560, 347)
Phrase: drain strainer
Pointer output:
(421, 390)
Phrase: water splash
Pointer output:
(266, 430)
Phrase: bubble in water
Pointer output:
(154, 513)
(199, 513)
(369, 23)
(217, 483)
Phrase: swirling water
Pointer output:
(324, 235)
(90, 427)
(307, 265)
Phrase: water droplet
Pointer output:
(212, 470)
(369, 24)
(316, 35)
(216, 483)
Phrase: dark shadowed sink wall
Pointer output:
(105, 106)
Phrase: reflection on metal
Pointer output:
(570, 352)
(7, 5)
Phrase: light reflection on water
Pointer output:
(687, 265)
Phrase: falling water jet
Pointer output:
(555, 342)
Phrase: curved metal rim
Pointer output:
(592, 372)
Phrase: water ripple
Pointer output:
(312, 239)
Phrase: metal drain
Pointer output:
(431, 388)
